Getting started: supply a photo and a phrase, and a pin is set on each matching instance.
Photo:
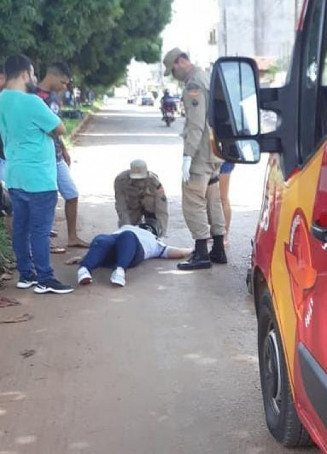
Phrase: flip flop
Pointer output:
(73, 260)
(80, 245)
(18, 319)
(57, 250)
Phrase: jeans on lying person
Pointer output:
(33, 215)
(115, 250)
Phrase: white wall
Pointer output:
(257, 27)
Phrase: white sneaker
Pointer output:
(84, 276)
(26, 283)
(118, 277)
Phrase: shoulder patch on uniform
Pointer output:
(193, 86)
(193, 89)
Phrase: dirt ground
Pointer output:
(167, 365)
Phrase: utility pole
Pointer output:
(259, 27)
(225, 29)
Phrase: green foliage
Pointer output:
(98, 37)
(107, 55)
(17, 25)
(7, 257)
(272, 71)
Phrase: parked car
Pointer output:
(131, 99)
(147, 100)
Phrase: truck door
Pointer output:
(290, 285)
(304, 225)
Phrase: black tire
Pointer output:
(281, 416)
(249, 281)
(168, 121)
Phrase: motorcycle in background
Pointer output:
(168, 114)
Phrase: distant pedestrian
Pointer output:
(91, 97)
(77, 96)
(201, 203)
(140, 197)
(27, 126)
(67, 98)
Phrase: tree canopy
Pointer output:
(97, 37)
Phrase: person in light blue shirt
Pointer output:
(27, 126)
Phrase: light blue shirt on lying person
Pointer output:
(25, 124)
(152, 246)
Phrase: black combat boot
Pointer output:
(217, 253)
(199, 259)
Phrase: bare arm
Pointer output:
(59, 130)
(65, 153)
(177, 252)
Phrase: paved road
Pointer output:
(167, 365)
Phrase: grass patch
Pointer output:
(7, 256)
(72, 123)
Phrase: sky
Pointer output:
(190, 26)
(189, 30)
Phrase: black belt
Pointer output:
(213, 180)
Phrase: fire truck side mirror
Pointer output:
(234, 109)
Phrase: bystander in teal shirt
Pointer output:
(25, 124)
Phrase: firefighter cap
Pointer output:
(138, 170)
(170, 59)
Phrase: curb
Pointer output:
(83, 123)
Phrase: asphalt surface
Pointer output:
(167, 365)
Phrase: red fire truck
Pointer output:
(289, 256)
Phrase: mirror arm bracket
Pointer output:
(270, 98)
(269, 143)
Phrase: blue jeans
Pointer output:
(33, 215)
(110, 251)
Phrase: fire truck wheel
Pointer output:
(281, 416)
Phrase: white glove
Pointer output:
(187, 161)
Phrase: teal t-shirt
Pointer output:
(25, 121)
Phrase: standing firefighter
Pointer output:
(140, 197)
(200, 191)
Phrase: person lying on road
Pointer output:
(123, 249)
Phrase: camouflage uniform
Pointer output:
(140, 198)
